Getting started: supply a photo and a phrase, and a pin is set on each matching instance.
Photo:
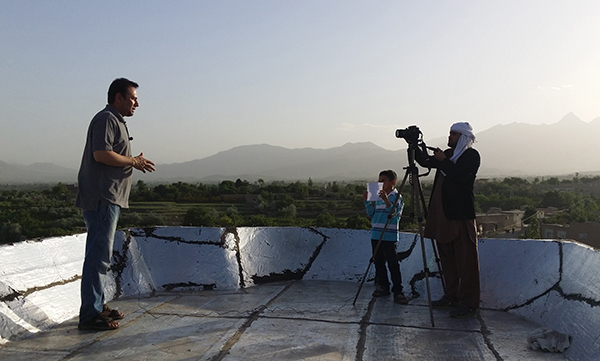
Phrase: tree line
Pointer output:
(49, 211)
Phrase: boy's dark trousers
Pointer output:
(387, 253)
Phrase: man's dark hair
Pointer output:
(119, 86)
(390, 174)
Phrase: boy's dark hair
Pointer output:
(119, 86)
(390, 174)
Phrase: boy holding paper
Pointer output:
(388, 202)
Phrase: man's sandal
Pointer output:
(112, 314)
(99, 323)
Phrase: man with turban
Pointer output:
(451, 220)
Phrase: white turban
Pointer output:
(465, 141)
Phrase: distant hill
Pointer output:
(349, 162)
(520, 150)
(565, 147)
(516, 149)
(36, 173)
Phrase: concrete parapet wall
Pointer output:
(553, 283)
(39, 284)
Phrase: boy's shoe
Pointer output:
(443, 303)
(400, 299)
(462, 311)
(380, 291)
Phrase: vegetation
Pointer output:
(50, 211)
(577, 199)
(38, 213)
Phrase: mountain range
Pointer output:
(514, 149)
(36, 173)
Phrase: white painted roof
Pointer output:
(244, 293)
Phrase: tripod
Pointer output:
(417, 208)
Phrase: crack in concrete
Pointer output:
(557, 288)
(298, 274)
(149, 233)
(238, 254)
(365, 321)
(317, 250)
(238, 334)
(404, 255)
(11, 296)
(204, 286)
(120, 259)
(485, 332)
(16, 293)
(420, 277)
(285, 275)
(120, 262)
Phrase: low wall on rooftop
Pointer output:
(552, 283)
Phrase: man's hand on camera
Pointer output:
(439, 154)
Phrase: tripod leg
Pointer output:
(439, 265)
(433, 245)
(427, 274)
(419, 200)
(426, 270)
(362, 282)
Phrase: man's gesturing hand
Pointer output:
(143, 164)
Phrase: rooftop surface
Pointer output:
(285, 293)
(293, 320)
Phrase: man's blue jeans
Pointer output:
(101, 227)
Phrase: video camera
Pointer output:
(411, 134)
(414, 138)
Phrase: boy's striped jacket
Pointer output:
(378, 213)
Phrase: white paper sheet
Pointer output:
(373, 190)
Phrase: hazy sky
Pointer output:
(218, 74)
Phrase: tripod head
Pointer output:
(416, 148)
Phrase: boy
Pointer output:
(378, 212)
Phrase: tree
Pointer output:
(559, 199)
(530, 213)
(515, 181)
(533, 231)
(287, 211)
(258, 220)
(167, 192)
(243, 186)
(227, 187)
(325, 220)
(198, 216)
(298, 189)
(335, 188)
(358, 222)
(10, 233)
(60, 190)
(141, 192)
